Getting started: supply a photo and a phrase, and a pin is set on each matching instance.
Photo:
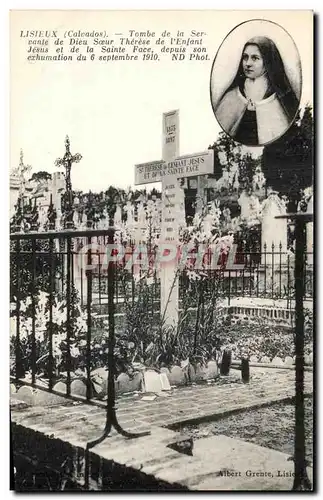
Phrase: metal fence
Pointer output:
(268, 274)
(35, 259)
(59, 281)
(70, 267)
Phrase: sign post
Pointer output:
(167, 171)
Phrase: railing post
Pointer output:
(301, 481)
(51, 302)
(20, 372)
(33, 319)
(68, 314)
(280, 270)
(89, 319)
(272, 269)
(111, 342)
(111, 417)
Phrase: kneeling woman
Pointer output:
(260, 104)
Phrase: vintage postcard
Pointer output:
(161, 250)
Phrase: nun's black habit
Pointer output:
(272, 115)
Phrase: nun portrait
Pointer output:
(260, 104)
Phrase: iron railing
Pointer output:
(70, 267)
(268, 274)
(30, 260)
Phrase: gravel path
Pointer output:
(272, 427)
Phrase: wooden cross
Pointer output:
(167, 171)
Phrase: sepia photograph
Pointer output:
(261, 101)
(162, 267)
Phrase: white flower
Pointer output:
(39, 335)
(58, 316)
(13, 326)
(81, 324)
(28, 301)
(74, 351)
(193, 276)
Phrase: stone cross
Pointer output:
(167, 171)
(21, 172)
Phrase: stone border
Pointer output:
(232, 411)
(178, 376)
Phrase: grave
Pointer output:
(168, 171)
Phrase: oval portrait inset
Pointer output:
(256, 82)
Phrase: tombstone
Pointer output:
(152, 382)
(250, 207)
(310, 233)
(130, 213)
(288, 361)
(277, 360)
(165, 385)
(60, 387)
(176, 376)
(78, 388)
(76, 218)
(57, 188)
(100, 223)
(58, 221)
(42, 217)
(168, 171)
(27, 394)
(254, 210)
(123, 383)
(84, 221)
(106, 219)
(201, 199)
(142, 229)
(117, 220)
(212, 370)
(243, 201)
(273, 231)
(99, 379)
(142, 217)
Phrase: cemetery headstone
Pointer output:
(273, 230)
(57, 188)
(152, 381)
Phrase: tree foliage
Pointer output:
(40, 176)
(287, 163)
(233, 154)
